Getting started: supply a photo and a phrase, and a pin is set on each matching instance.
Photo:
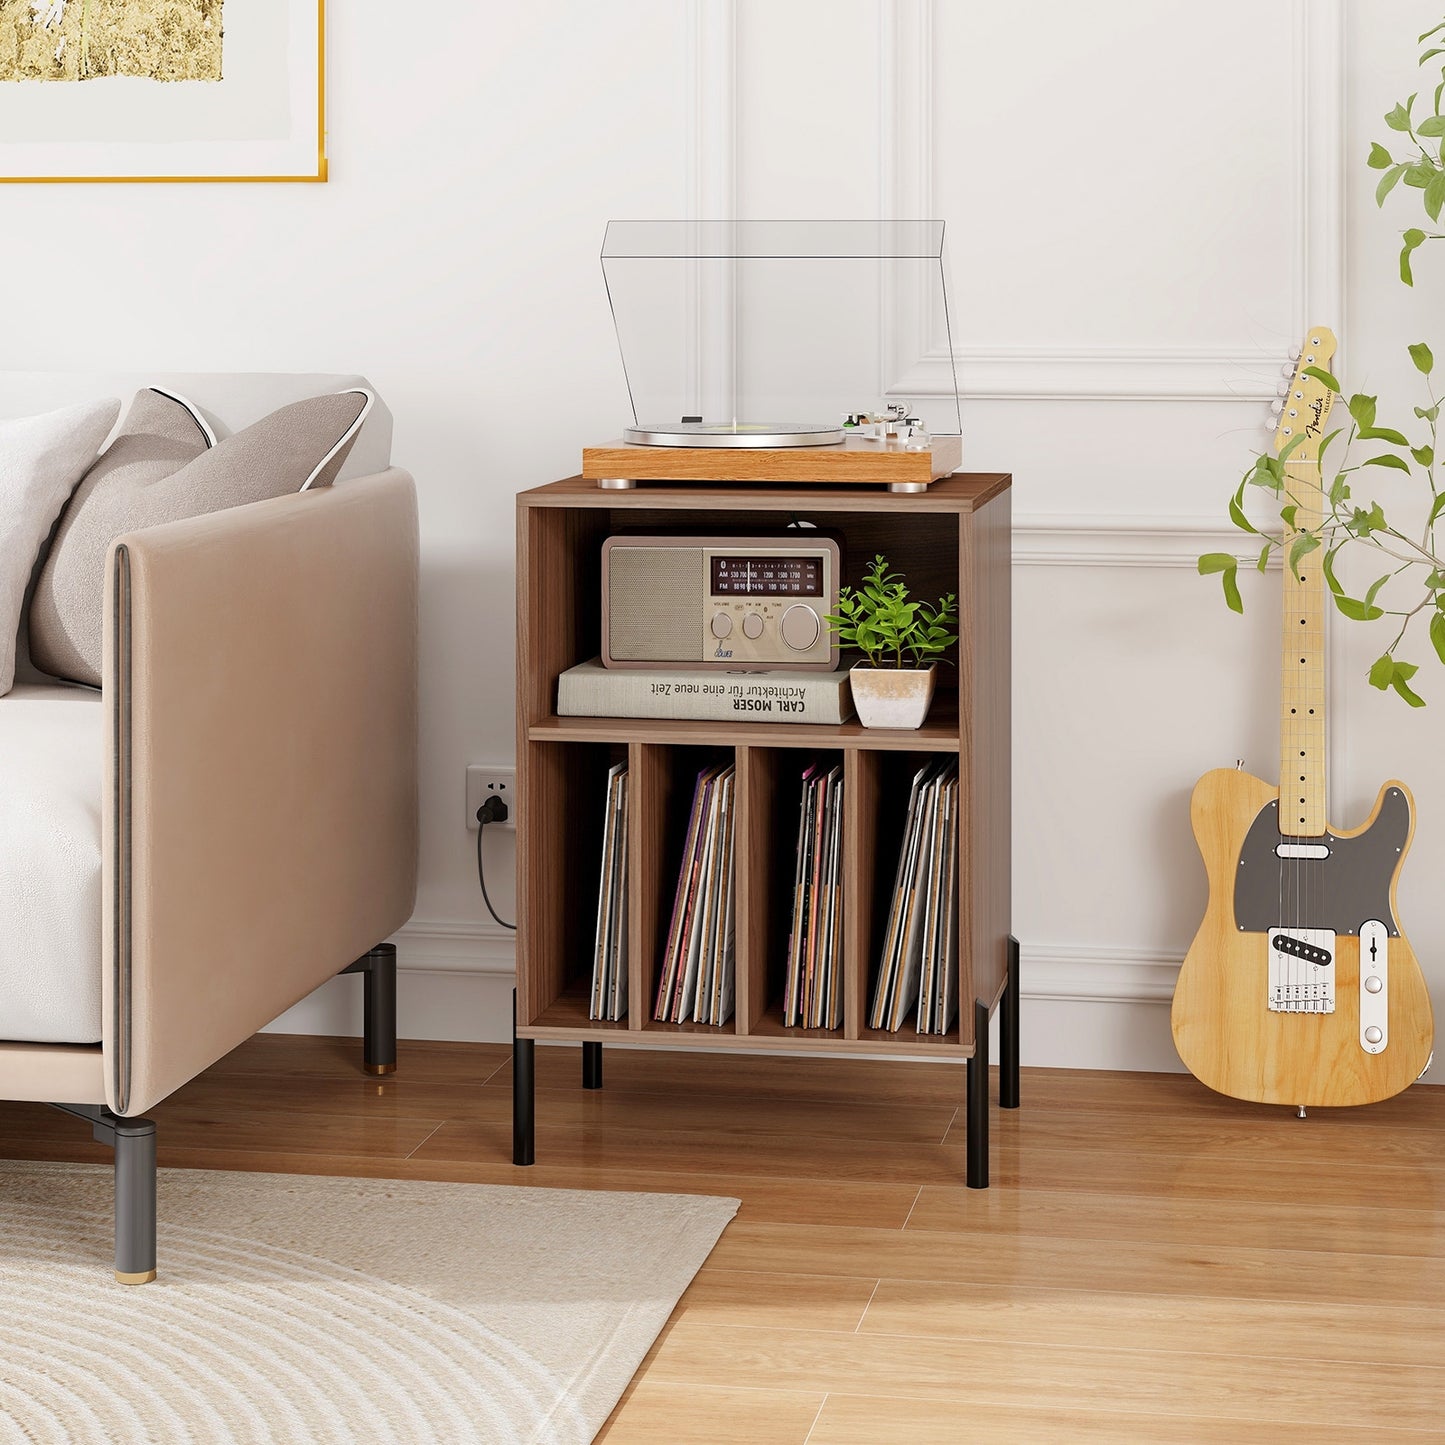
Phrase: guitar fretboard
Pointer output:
(1302, 661)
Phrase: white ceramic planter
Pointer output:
(892, 697)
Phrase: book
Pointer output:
(608, 998)
(812, 992)
(920, 944)
(696, 980)
(591, 690)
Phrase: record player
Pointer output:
(783, 352)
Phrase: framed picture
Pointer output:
(162, 90)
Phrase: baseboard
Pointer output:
(1085, 1006)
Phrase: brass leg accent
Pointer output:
(380, 1068)
(143, 1278)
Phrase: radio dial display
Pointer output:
(767, 576)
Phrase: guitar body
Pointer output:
(1226, 1033)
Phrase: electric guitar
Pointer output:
(1300, 987)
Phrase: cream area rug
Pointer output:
(290, 1310)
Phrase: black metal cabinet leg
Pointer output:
(1008, 1033)
(135, 1197)
(591, 1066)
(524, 1095)
(978, 1100)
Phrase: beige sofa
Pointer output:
(256, 827)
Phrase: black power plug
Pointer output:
(494, 810)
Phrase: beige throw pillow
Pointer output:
(165, 466)
(41, 460)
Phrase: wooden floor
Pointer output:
(1154, 1263)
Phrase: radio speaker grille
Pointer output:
(654, 604)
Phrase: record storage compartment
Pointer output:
(953, 538)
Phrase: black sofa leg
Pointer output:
(977, 1107)
(134, 1142)
(135, 1197)
(592, 1066)
(1008, 1033)
(524, 1095)
(378, 1008)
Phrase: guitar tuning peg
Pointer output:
(1287, 370)
(1276, 406)
(1294, 353)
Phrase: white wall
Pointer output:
(1147, 201)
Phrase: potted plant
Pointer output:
(901, 642)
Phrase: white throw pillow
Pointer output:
(42, 459)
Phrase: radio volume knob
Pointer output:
(753, 625)
(722, 625)
(800, 627)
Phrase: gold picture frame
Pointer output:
(305, 94)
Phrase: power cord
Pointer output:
(494, 810)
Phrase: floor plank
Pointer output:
(1153, 1263)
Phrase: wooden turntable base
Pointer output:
(623, 464)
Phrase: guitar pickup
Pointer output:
(1298, 948)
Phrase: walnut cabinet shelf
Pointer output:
(953, 538)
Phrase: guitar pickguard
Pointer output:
(1339, 892)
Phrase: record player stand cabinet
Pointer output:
(955, 537)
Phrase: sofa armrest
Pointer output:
(260, 817)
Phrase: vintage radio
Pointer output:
(745, 602)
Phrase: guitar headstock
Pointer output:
(1305, 404)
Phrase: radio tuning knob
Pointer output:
(800, 627)
(722, 625)
(753, 625)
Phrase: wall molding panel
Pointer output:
(1315, 161)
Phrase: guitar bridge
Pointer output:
(1301, 970)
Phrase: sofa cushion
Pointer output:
(161, 468)
(41, 460)
(160, 435)
(51, 766)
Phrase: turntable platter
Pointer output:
(734, 434)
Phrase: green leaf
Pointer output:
(1404, 671)
(1358, 611)
(1420, 354)
(1437, 634)
(1362, 523)
(1362, 409)
(1435, 194)
(1287, 515)
(1420, 40)
(1339, 491)
(1387, 459)
(1419, 174)
(1228, 568)
(1398, 118)
(1436, 509)
(1320, 374)
(1429, 413)
(1413, 239)
(1325, 445)
(1291, 446)
(1236, 512)
(1375, 589)
(1380, 159)
(1389, 181)
(1384, 434)
(1424, 456)
(1301, 547)
(1432, 125)
(1382, 671)
(1434, 582)
(1430, 54)
(1264, 556)
(1329, 565)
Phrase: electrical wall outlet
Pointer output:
(487, 782)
